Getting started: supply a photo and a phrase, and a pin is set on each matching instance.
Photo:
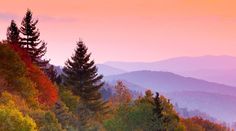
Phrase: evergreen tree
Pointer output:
(158, 106)
(157, 120)
(13, 33)
(80, 73)
(52, 73)
(31, 42)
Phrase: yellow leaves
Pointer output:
(14, 101)
(12, 119)
(6, 99)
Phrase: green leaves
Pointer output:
(146, 113)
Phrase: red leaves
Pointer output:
(47, 91)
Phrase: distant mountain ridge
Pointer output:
(108, 70)
(190, 63)
(220, 69)
(102, 69)
(170, 82)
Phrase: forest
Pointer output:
(34, 96)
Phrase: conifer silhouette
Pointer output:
(81, 75)
(30, 41)
(13, 33)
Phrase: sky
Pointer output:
(129, 30)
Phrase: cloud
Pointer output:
(55, 19)
(8, 16)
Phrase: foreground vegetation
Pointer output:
(34, 97)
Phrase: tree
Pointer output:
(205, 125)
(65, 117)
(81, 75)
(122, 95)
(46, 120)
(12, 119)
(30, 40)
(70, 100)
(13, 33)
(158, 107)
(148, 98)
(52, 73)
(157, 120)
(164, 115)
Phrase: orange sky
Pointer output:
(130, 30)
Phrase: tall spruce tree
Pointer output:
(157, 120)
(158, 106)
(80, 73)
(13, 32)
(30, 40)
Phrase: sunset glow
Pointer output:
(134, 30)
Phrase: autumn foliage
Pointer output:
(47, 90)
(200, 124)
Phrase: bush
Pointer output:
(13, 120)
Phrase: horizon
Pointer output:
(143, 31)
(118, 65)
(104, 63)
(172, 58)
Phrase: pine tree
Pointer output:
(158, 107)
(80, 73)
(13, 33)
(157, 120)
(52, 73)
(31, 42)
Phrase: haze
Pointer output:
(134, 30)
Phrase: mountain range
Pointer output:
(220, 69)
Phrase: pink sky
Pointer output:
(130, 30)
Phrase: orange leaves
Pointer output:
(202, 124)
(122, 95)
(47, 91)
